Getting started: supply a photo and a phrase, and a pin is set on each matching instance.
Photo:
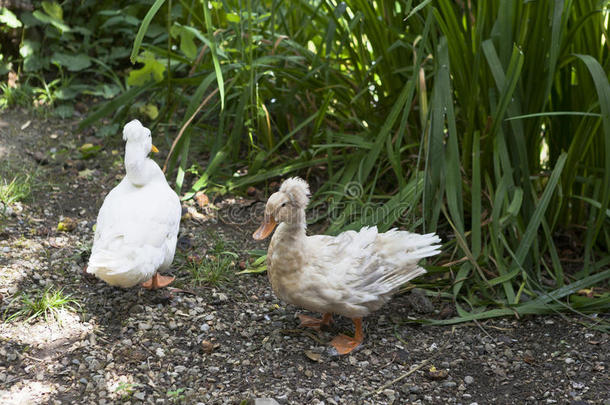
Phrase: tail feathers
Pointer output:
(425, 251)
(400, 253)
(392, 280)
(413, 241)
(119, 269)
(383, 287)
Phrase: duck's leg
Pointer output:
(315, 323)
(345, 344)
(157, 281)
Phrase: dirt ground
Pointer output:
(233, 341)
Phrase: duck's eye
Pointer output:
(283, 204)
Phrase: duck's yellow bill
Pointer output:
(265, 229)
(154, 149)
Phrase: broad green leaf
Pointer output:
(73, 63)
(107, 91)
(152, 70)
(45, 18)
(64, 111)
(187, 44)
(53, 9)
(7, 17)
(150, 110)
(28, 48)
(233, 18)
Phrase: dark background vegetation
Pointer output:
(487, 122)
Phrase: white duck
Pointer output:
(351, 274)
(137, 226)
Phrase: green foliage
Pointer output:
(176, 395)
(17, 184)
(485, 121)
(522, 162)
(47, 304)
(213, 270)
(67, 50)
(125, 389)
(18, 189)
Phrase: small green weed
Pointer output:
(258, 265)
(125, 389)
(175, 395)
(48, 305)
(82, 251)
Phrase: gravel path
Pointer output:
(234, 341)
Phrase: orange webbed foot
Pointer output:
(345, 344)
(315, 323)
(158, 281)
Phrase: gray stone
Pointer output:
(391, 394)
(468, 379)
(264, 401)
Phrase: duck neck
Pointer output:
(137, 165)
(292, 232)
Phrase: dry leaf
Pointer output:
(194, 259)
(86, 173)
(529, 359)
(313, 356)
(201, 199)
(587, 292)
(191, 213)
(207, 346)
(13, 78)
(54, 243)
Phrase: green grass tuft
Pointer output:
(47, 304)
(18, 189)
(215, 269)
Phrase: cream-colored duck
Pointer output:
(351, 274)
(137, 226)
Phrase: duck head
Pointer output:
(138, 137)
(286, 205)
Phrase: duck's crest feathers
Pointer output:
(297, 189)
(135, 131)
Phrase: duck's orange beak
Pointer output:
(265, 229)
(154, 149)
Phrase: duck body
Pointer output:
(351, 274)
(138, 223)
